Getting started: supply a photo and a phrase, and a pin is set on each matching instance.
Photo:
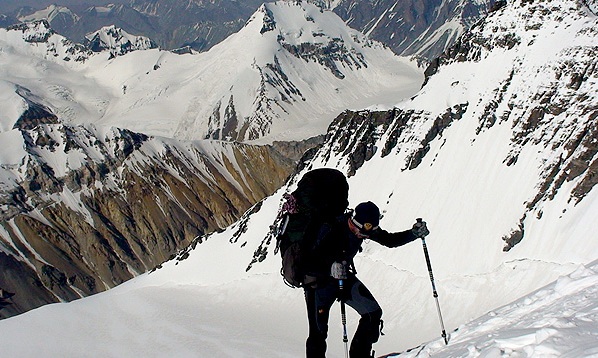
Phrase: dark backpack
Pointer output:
(321, 196)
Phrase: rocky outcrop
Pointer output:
(117, 41)
(35, 32)
(327, 55)
(43, 36)
(294, 150)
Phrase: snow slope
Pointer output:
(202, 307)
(558, 320)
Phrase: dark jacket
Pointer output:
(336, 243)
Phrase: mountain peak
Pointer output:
(291, 48)
(50, 13)
(34, 31)
(117, 41)
(312, 34)
(297, 22)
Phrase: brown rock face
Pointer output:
(130, 204)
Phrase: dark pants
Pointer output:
(319, 300)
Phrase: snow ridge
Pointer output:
(558, 320)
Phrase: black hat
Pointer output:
(366, 216)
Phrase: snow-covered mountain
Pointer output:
(303, 67)
(285, 75)
(174, 24)
(60, 17)
(110, 39)
(407, 27)
(84, 208)
(497, 153)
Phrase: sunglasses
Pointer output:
(363, 230)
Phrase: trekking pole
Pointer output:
(344, 319)
(434, 292)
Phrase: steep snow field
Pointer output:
(202, 307)
(207, 305)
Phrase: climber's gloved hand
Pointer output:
(420, 230)
(339, 270)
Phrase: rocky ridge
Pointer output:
(117, 41)
(110, 40)
(408, 28)
(83, 209)
(548, 102)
